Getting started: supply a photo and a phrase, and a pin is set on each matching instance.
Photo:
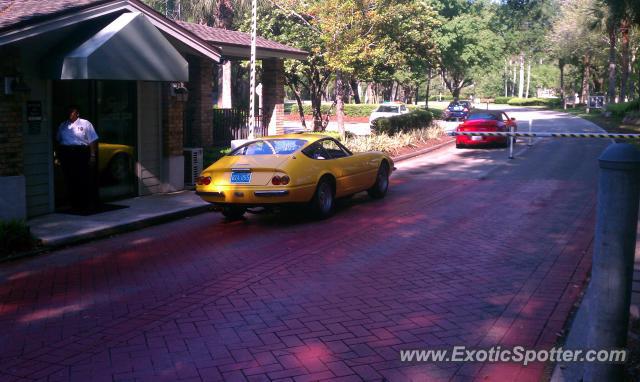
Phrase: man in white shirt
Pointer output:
(78, 150)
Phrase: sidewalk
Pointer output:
(61, 229)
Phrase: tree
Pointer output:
(466, 42)
(348, 39)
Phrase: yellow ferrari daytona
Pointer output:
(292, 169)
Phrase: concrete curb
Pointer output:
(51, 245)
(427, 150)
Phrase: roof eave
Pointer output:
(28, 30)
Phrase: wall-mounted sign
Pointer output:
(34, 117)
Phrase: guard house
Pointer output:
(144, 81)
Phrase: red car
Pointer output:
(485, 120)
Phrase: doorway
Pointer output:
(111, 107)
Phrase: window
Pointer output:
(334, 149)
(316, 151)
(387, 109)
(489, 116)
(270, 147)
(254, 148)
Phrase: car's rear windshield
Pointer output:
(477, 116)
(387, 109)
(270, 147)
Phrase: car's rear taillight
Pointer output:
(203, 180)
(466, 110)
(280, 180)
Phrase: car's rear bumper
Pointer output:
(254, 195)
(468, 140)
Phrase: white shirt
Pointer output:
(80, 132)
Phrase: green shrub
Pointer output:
(550, 102)
(212, 154)
(350, 109)
(503, 100)
(441, 98)
(391, 144)
(15, 236)
(416, 119)
(620, 109)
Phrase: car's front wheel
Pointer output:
(233, 212)
(380, 187)
(323, 200)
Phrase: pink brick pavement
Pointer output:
(437, 263)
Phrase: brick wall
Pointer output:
(273, 94)
(172, 122)
(11, 140)
(199, 119)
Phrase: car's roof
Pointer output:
(306, 136)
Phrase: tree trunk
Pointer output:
(624, 40)
(296, 94)
(426, 99)
(506, 79)
(561, 67)
(586, 78)
(528, 79)
(340, 92)
(355, 89)
(513, 85)
(521, 84)
(611, 91)
(632, 88)
(224, 85)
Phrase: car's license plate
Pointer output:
(476, 138)
(240, 177)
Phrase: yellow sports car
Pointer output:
(295, 168)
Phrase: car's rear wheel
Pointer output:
(380, 187)
(323, 200)
(233, 212)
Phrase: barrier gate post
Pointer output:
(511, 140)
(530, 137)
(613, 257)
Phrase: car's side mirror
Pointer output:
(513, 118)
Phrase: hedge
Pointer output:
(350, 109)
(620, 109)
(441, 98)
(503, 100)
(15, 237)
(416, 119)
(552, 102)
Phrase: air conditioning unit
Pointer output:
(193, 159)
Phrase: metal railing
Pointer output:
(230, 124)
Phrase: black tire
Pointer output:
(459, 146)
(323, 199)
(119, 169)
(233, 212)
(380, 187)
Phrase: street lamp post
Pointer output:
(252, 62)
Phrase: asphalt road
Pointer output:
(469, 248)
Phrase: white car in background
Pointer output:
(388, 109)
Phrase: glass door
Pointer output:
(117, 128)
